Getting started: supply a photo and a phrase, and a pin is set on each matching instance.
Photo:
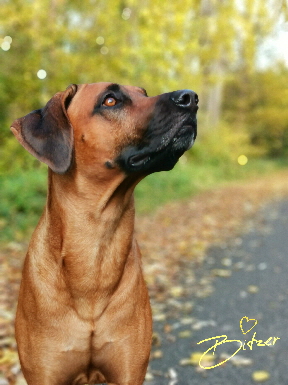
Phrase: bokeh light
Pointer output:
(126, 13)
(242, 160)
(41, 74)
(5, 46)
(6, 43)
(8, 39)
(100, 40)
(104, 50)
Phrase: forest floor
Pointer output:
(176, 242)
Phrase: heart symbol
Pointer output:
(247, 320)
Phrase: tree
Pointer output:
(159, 45)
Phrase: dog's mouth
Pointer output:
(162, 152)
(146, 156)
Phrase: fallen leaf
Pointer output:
(221, 273)
(156, 339)
(198, 325)
(187, 321)
(172, 374)
(185, 334)
(167, 328)
(159, 317)
(237, 360)
(185, 362)
(8, 356)
(252, 289)
(195, 358)
(176, 291)
(149, 376)
(208, 358)
(260, 376)
(226, 262)
(157, 354)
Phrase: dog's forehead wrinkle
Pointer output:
(140, 90)
(134, 90)
(114, 87)
(143, 91)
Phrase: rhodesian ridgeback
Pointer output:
(83, 313)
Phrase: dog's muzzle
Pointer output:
(171, 131)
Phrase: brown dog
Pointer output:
(83, 313)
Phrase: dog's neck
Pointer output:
(89, 232)
(77, 192)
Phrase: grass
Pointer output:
(190, 177)
(23, 193)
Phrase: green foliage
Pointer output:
(223, 144)
(268, 118)
(208, 46)
(23, 193)
(193, 175)
(22, 198)
(160, 45)
(262, 105)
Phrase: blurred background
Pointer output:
(233, 53)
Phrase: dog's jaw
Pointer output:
(162, 151)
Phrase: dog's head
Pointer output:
(103, 126)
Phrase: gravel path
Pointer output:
(247, 278)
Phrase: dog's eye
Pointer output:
(109, 101)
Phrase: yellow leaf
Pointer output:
(176, 291)
(221, 273)
(195, 357)
(260, 376)
(207, 360)
(185, 334)
(157, 354)
(252, 289)
(8, 357)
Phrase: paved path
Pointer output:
(257, 288)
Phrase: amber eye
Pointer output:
(109, 101)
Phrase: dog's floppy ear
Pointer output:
(47, 133)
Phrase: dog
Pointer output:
(83, 314)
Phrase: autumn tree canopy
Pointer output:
(209, 46)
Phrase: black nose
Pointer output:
(184, 98)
